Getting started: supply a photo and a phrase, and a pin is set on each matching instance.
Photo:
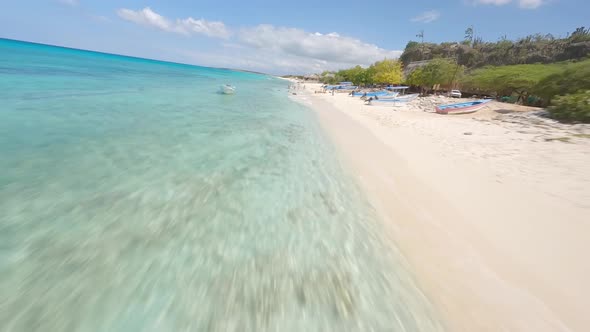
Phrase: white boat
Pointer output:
(227, 89)
(393, 101)
(462, 108)
(393, 95)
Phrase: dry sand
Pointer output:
(491, 210)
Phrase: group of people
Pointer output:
(297, 86)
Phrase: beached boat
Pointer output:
(341, 86)
(347, 87)
(392, 95)
(370, 94)
(396, 88)
(227, 89)
(392, 101)
(462, 108)
(407, 98)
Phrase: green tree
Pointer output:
(387, 72)
(356, 75)
(438, 71)
(415, 78)
(328, 77)
(469, 35)
(581, 34)
(369, 75)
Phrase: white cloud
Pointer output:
(211, 29)
(252, 59)
(265, 47)
(525, 4)
(530, 4)
(187, 26)
(69, 2)
(330, 47)
(427, 17)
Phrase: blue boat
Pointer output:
(370, 94)
(391, 95)
(341, 87)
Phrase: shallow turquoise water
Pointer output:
(135, 198)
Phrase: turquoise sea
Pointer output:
(133, 197)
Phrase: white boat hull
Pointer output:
(394, 95)
(227, 89)
(393, 101)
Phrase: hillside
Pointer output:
(473, 52)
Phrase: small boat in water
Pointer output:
(462, 108)
(227, 89)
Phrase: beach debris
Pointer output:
(467, 133)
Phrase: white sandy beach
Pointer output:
(491, 210)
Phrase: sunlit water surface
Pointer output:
(133, 197)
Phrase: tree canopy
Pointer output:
(387, 71)
(438, 71)
(382, 72)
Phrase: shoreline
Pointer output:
(493, 250)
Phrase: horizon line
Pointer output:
(132, 56)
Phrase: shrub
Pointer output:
(570, 78)
(573, 107)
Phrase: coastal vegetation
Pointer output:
(518, 80)
(437, 71)
(537, 70)
(563, 85)
(387, 71)
(473, 52)
(572, 107)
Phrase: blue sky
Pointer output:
(277, 37)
